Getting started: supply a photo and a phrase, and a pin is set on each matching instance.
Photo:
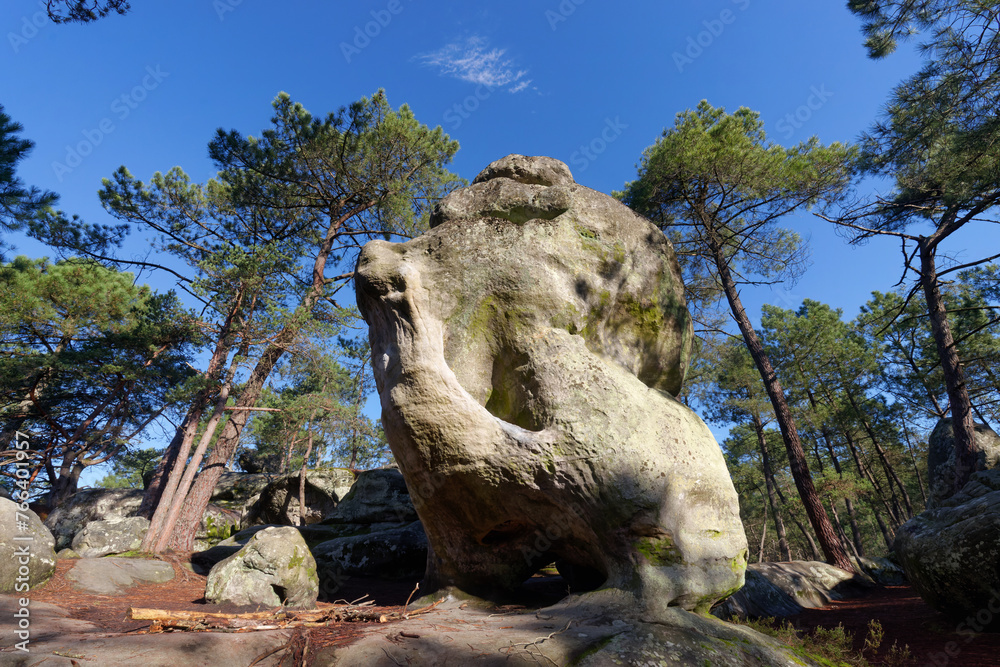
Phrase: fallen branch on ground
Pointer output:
(266, 620)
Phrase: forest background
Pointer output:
(588, 84)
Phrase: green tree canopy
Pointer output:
(87, 361)
(311, 191)
(18, 203)
(84, 11)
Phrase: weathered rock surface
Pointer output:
(882, 571)
(114, 536)
(785, 589)
(579, 633)
(59, 641)
(89, 505)
(111, 576)
(278, 502)
(217, 523)
(397, 553)
(373, 532)
(274, 568)
(377, 496)
(25, 542)
(941, 458)
(237, 490)
(525, 350)
(951, 554)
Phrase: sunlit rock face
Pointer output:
(526, 350)
(951, 553)
(941, 458)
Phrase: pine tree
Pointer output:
(939, 140)
(18, 203)
(719, 187)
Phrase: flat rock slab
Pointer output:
(110, 576)
(578, 632)
(59, 641)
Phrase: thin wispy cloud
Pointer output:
(474, 61)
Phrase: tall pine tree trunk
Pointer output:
(867, 474)
(832, 547)
(840, 526)
(779, 524)
(852, 518)
(890, 471)
(951, 365)
(192, 507)
(881, 526)
(913, 460)
(859, 549)
(168, 471)
(305, 464)
(171, 511)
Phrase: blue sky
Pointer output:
(587, 82)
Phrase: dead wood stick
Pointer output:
(143, 614)
(288, 617)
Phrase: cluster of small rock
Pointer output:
(362, 527)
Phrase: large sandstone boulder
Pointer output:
(114, 536)
(951, 554)
(238, 490)
(882, 571)
(525, 350)
(777, 590)
(377, 496)
(27, 556)
(941, 458)
(397, 553)
(89, 505)
(275, 568)
(278, 502)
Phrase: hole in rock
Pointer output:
(554, 581)
(504, 532)
(280, 592)
(514, 394)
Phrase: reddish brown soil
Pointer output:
(933, 639)
(187, 592)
